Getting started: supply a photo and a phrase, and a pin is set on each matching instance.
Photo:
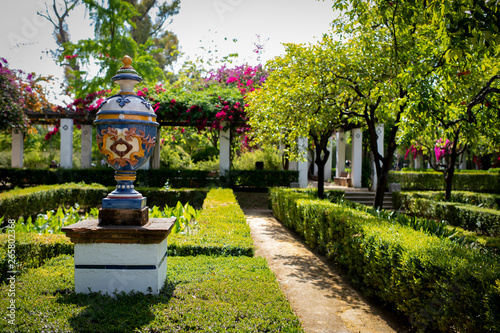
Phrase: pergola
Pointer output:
(68, 119)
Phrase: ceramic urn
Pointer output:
(126, 136)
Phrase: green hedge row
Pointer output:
(35, 200)
(434, 181)
(480, 220)
(32, 250)
(438, 284)
(483, 200)
(12, 177)
(223, 229)
(466, 216)
(262, 178)
(202, 294)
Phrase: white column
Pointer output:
(463, 162)
(357, 157)
(328, 165)
(66, 130)
(379, 129)
(303, 163)
(155, 157)
(17, 148)
(418, 162)
(86, 150)
(340, 166)
(224, 151)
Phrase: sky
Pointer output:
(205, 28)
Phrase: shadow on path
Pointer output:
(320, 295)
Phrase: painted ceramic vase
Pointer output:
(126, 136)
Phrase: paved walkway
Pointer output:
(320, 296)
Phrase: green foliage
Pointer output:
(52, 221)
(186, 217)
(270, 156)
(174, 158)
(462, 181)
(204, 154)
(439, 284)
(228, 294)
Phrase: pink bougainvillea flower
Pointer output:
(231, 79)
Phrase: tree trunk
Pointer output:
(321, 162)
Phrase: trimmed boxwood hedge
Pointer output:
(438, 284)
(35, 200)
(434, 181)
(465, 197)
(202, 294)
(13, 177)
(223, 231)
(467, 216)
(32, 250)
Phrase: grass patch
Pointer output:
(203, 294)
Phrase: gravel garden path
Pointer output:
(319, 293)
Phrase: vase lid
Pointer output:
(126, 72)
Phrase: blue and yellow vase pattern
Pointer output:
(126, 136)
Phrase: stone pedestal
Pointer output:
(120, 258)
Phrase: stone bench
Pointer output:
(344, 180)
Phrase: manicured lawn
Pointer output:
(202, 294)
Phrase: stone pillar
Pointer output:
(418, 162)
(328, 165)
(86, 150)
(357, 156)
(340, 154)
(379, 129)
(463, 161)
(66, 130)
(155, 157)
(303, 164)
(224, 151)
(17, 148)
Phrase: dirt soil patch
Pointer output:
(318, 291)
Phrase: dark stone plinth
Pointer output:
(89, 231)
(113, 203)
(124, 217)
